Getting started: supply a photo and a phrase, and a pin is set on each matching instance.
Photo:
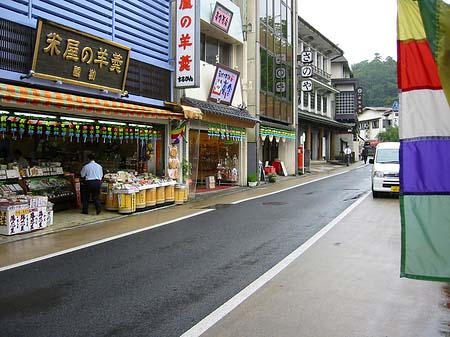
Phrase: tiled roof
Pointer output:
(220, 109)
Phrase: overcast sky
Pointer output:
(360, 28)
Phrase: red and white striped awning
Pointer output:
(38, 99)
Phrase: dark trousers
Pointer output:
(88, 189)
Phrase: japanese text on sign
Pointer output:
(62, 53)
(224, 85)
(187, 44)
(221, 17)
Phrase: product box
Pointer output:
(15, 221)
(210, 182)
(38, 218)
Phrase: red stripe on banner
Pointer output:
(416, 68)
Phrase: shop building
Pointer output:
(86, 77)
(216, 145)
(270, 86)
(321, 135)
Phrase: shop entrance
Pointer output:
(218, 159)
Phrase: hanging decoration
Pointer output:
(226, 132)
(265, 131)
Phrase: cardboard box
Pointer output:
(210, 182)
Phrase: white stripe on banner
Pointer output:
(424, 113)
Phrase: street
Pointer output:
(163, 281)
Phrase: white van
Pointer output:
(385, 169)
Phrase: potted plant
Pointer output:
(252, 180)
(186, 167)
(272, 178)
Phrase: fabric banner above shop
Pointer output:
(14, 96)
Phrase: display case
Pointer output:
(59, 189)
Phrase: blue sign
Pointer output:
(395, 106)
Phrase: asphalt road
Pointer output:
(163, 281)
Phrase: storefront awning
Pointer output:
(189, 111)
(14, 96)
(218, 113)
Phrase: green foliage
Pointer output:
(252, 177)
(378, 79)
(390, 135)
(186, 166)
(272, 177)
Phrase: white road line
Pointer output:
(236, 300)
(44, 257)
(287, 188)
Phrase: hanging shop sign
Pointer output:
(221, 17)
(187, 48)
(223, 85)
(64, 54)
(226, 132)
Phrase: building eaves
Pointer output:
(323, 120)
(221, 110)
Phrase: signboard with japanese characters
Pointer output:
(65, 54)
(223, 85)
(187, 44)
(359, 100)
(221, 17)
(307, 71)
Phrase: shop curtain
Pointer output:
(424, 86)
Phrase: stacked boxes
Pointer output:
(25, 214)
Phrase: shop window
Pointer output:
(270, 106)
(218, 157)
(264, 69)
(262, 104)
(305, 99)
(324, 104)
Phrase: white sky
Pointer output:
(360, 28)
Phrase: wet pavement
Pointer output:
(344, 283)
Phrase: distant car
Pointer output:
(385, 169)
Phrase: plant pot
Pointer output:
(252, 183)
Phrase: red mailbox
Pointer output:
(300, 156)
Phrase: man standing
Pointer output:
(92, 173)
(347, 152)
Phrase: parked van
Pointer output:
(385, 169)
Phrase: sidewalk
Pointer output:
(346, 284)
(72, 229)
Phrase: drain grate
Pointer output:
(274, 203)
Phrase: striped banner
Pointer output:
(424, 82)
(12, 95)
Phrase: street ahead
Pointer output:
(163, 281)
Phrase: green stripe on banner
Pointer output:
(425, 237)
(429, 19)
(436, 20)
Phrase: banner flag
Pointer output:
(423, 75)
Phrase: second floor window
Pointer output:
(213, 51)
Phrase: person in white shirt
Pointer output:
(92, 173)
(347, 152)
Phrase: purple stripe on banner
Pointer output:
(425, 166)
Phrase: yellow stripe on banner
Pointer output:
(409, 24)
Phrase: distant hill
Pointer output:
(378, 79)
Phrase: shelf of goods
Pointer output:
(127, 193)
(23, 214)
(58, 189)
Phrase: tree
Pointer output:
(378, 79)
(390, 135)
